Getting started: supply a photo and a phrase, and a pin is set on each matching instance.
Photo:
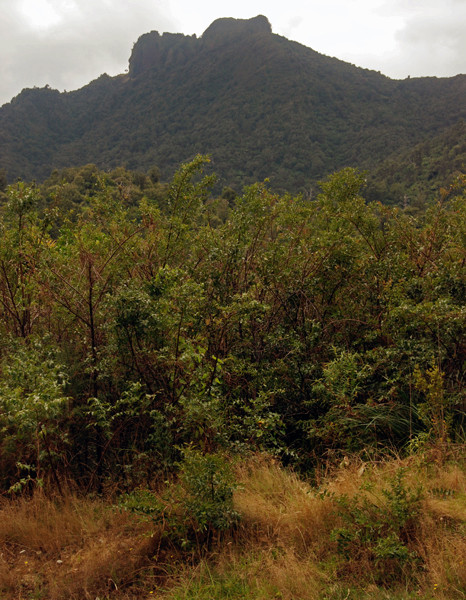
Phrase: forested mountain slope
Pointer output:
(417, 174)
(262, 105)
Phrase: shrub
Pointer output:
(379, 531)
(196, 509)
(32, 406)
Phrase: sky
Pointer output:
(68, 43)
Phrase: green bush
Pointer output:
(196, 509)
(208, 484)
(380, 531)
(33, 407)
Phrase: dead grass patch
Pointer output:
(76, 548)
(279, 508)
(71, 548)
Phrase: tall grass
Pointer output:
(282, 548)
(67, 548)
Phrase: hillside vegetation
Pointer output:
(411, 177)
(263, 106)
(133, 326)
(228, 379)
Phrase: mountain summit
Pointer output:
(223, 29)
(262, 105)
(153, 50)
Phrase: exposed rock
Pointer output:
(225, 28)
(153, 50)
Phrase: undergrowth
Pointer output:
(391, 530)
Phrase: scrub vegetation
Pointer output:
(212, 395)
(264, 106)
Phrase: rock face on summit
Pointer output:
(221, 29)
(153, 50)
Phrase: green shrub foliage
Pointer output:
(379, 529)
(145, 318)
(195, 509)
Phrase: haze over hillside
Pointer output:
(262, 105)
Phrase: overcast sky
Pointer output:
(67, 43)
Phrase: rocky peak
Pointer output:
(221, 29)
(153, 50)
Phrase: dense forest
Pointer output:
(411, 177)
(262, 105)
(152, 332)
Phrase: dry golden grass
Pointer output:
(443, 540)
(281, 508)
(47, 525)
(82, 549)
(281, 511)
(293, 576)
(247, 574)
(71, 548)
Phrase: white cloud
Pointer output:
(73, 41)
(428, 41)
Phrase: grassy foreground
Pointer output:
(394, 529)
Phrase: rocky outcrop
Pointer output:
(223, 29)
(153, 50)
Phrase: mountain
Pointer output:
(262, 105)
(415, 175)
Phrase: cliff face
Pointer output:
(153, 50)
(224, 29)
